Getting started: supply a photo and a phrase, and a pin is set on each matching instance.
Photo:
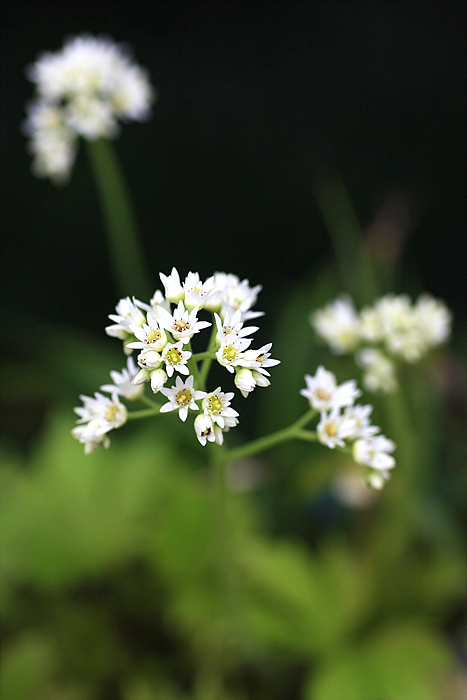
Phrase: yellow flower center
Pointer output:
(229, 353)
(215, 404)
(321, 394)
(184, 397)
(111, 413)
(153, 336)
(174, 356)
(331, 429)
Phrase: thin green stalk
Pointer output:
(193, 367)
(345, 232)
(224, 542)
(144, 413)
(148, 402)
(309, 435)
(126, 256)
(208, 355)
(265, 443)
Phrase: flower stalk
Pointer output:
(126, 256)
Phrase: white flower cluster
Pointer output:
(82, 90)
(342, 421)
(97, 417)
(392, 326)
(162, 332)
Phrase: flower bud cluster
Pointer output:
(82, 90)
(392, 326)
(342, 422)
(162, 330)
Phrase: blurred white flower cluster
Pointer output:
(81, 90)
(162, 331)
(392, 326)
(343, 422)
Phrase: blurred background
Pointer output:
(281, 132)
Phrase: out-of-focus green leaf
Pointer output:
(74, 515)
(301, 604)
(399, 662)
(27, 666)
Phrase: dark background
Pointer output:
(256, 101)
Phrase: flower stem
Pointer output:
(292, 432)
(148, 402)
(345, 231)
(223, 539)
(126, 256)
(193, 367)
(209, 355)
(144, 413)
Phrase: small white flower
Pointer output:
(99, 407)
(173, 289)
(150, 335)
(374, 451)
(143, 375)
(157, 303)
(90, 118)
(204, 428)
(434, 320)
(122, 382)
(92, 435)
(338, 324)
(231, 353)
(182, 324)
(181, 397)
(133, 94)
(334, 428)
(371, 328)
(380, 370)
(376, 478)
(238, 295)
(219, 433)
(217, 406)
(231, 328)
(245, 381)
(323, 393)
(259, 359)
(221, 283)
(53, 143)
(158, 378)
(259, 378)
(128, 313)
(197, 293)
(101, 414)
(401, 333)
(361, 417)
(175, 358)
(149, 359)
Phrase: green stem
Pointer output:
(344, 229)
(292, 432)
(224, 544)
(209, 355)
(126, 256)
(144, 413)
(193, 367)
(309, 435)
(148, 402)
